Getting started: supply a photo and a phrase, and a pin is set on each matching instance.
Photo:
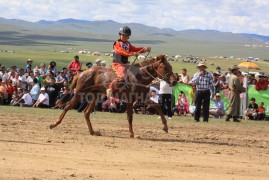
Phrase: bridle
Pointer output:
(145, 68)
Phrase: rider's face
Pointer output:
(124, 37)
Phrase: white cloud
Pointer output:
(225, 15)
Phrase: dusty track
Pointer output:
(190, 151)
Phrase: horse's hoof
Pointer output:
(131, 135)
(52, 126)
(165, 130)
(97, 133)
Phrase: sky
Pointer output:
(238, 16)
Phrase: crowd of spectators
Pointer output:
(41, 86)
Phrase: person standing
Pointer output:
(165, 93)
(75, 65)
(234, 98)
(35, 91)
(53, 91)
(204, 84)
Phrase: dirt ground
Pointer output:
(30, 150)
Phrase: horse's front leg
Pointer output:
(160, 111)
(129, 107)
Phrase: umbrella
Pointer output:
(249, 65)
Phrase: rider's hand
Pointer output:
(135, 54)
(147, 49)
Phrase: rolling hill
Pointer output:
(99, 36)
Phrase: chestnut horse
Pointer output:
(93, 83)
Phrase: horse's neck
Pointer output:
(149, 73)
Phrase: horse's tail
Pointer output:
(67, 97)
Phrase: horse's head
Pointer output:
(165, 71)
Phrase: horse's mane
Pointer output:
(149, 61)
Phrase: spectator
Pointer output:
(261, 111)
(155, 99)
(15, 98)
(22, 79)
(27, 99)
(28, 66)
(35, 91)
(234, 97)
(10, 91)
(65, 70)
(43, 99)
(252, 80)
(98, 62)
(35, 70)
(53, 91)
(52, 66)
(262, 84)
(228, 74)
(240, 77)
(251, 111)
(166, 98)
(183, 104)
(49, 76)
(204, 85)
(89, 65)
(218, 71)
(103, 63)
(218, 109)
(223, 82)
(43, 69)
(30, 80)
(4, 75)
(177, 77)
(38, 77)
(216, 82)
(184, 78)
(75, 65)
(60, 79)
(192, 94)
(69, 76)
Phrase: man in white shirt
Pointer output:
(3, 74)
(35, 91)
(27, 99)
(166, 98)
(43, 99)
(155, 99)
(22, 79)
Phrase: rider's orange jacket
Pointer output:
(126, 48)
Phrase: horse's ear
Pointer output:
(161, 57)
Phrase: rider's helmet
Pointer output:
(125, 30)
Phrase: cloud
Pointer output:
(248, 16)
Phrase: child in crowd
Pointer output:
(261, 111)
(251, 111)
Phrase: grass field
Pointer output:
(62, 59)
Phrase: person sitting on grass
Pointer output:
(218, 110)
(261, 111)
(26, 100)
(182, 104)
(43, 99)
(251, 111)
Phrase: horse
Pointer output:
(92, 83)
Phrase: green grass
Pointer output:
(53, 114)
(19, 58)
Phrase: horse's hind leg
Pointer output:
(70, 105)
(160, 111)
(87, 112)
(130, 118)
